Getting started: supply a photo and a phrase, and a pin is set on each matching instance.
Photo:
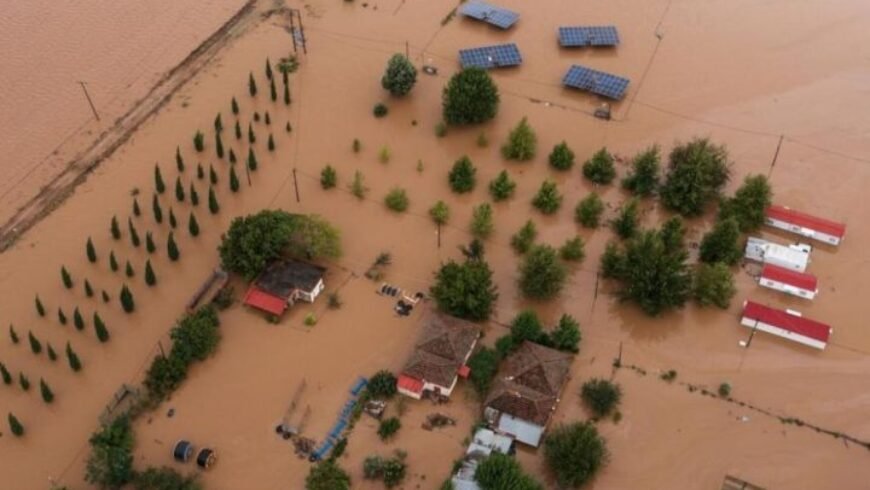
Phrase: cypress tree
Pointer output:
(149, 243)
(238, 130)
(150, 278)
(200, 172)
(134, 235)
(232, 156)
(66, 278)
(252, 85)
(136, 210)
(219, 145)
(113, 262)
(199, 141)
(252, 159)
(213, 205)
(24, 381)
(179, 190)
(78, 320)
(15, 426)
(159, 185)
(179, 162)
(91, 251)
(105, 295)
(268, 68)
(286, 94)
(194, 197)
(173, 223)
(61, 316)
(7, 378)
(129, 270)
(193, 226)
(74, 362)
(235, 106)
(267, 119)
(252, 138)
(127, 302)
(40, 310)
(89, 291)
(47, 394)
(234, 180)
(212, 175)
(100, 328)
(155, 207)
(273, 92)
(288, 127)
(172, 248)
(256, 116)
(52, 355)
(271, 144)
(218, 124)
(115, 229)
(13, 335)
(35, 344)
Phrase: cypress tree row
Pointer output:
(113, 262)
(234, 180)
(47, 394)
(91, 251)
(78, 320)
(52, 355)
(40, 310)
(172, 221)
(134, 235)
(232, 156)
(13, 335)
(179, 190)
(213, 205)
(89, 291)
(7, 378)
(212, 175)
(23, 381)
(192, 225)
(179, 162)
(200, 172)
(128, 270)
(100, 328)
(218, 124)
(15, 426)
(271, 144)
(136, 210)
(194, 197)
(115, 229)
(252, 159)
(35, 344)
(172, 248)
(219, 145)
(199, 141)
(252, 85)
(155, 207)
(159, 185)
(149, 243)
(273, 92)
(235, 106)
(127, 302)
(252, 138)
(66, 278)
(150, 278)
(61, 316)
(73, 359)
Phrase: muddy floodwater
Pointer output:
(774, 81)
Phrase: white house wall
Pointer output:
(787, 288)
(781, 332)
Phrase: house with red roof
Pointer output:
(791, 282)
(806, 225)
(788, 324)
(284, 283)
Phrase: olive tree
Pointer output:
(400, 75)
(470, 97)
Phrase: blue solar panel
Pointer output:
(486, 57)
(497, 16)
(596, 82)
(588, 36)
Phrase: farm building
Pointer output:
(482, 445)
(526, 391)
(284, 283)
(787, 324)
(803, 224)
(792, 257)
(798, 284)
(439, 357)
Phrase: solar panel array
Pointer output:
(486, 57)
(588, 36)
(596, 82)
(497, 16)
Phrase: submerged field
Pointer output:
(741, 74)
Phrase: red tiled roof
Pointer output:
(790, 277)
(262, 300)
(784, 213)
(787, 321)
(408, 383)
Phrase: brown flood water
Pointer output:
(742, 73)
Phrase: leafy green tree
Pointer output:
(115, 229)
(128, 270)
(74, 363)
(440, 213)
(562, 158)
(573, 250)
(193, 225)
(522, 240)
(673, 234)
(599, 169)
(100, 328)
(15, 425)
(328, 177)
(465, 290)
(159, 185)
(470, 97)
(696, 172)
(252, 159)
(91, 251)
(526, 326)
(78, 319)
(252, 85)
(150, 277)
(482, 221)
(7, 376)
(502, 472)
(502, 187)
(400, 76)
(521, 144)
(749, 203)
(566, 336)
(588, 211)
(45, 391)
(134, 235)
(194, 196)
(196, 336)
(382, 385)
(542, 275)
(40, 310)
(714, 285)
(721, 244)
(627, 222)
(24, 381)
(213, 206)
(35, 344)
(397, 200)
(156, 209)
(388, 427)
(127, 302)
(61, 316)
(483, 365)
(172, 248)
(600, 396)
(110, 463)
(643, 181)
(66, 278)
(574, 453)
(327, 475)
(199, 141)
(136, 210)
(547, 200)
(462, 176)
(165, 478)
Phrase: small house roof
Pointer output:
(265, 301)
(282, 277)
(529, 382)
(787, 321)
(444, 344)
(800, 280)
(788, 215)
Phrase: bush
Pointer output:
(462, 176)
(400, 75)
(502, 472)
(721, 244)
(326, 475)
(482, 140)
(574, 453)
(749, 203)
(470, 97)
(547, 200)
(465, 290)
(382, 385)
(164, 479)
(441, 129)
(588, 211)
(566, 336)
(627, 222)
(328, 177)
(572, 250)
(725, 390)
(440, 213)
(696, 172)
(600, 396)
(521, 144)
(643, 181)
(481, 221)
(397, 200)
(562, 158)
(357, 186)
(388, 428)
(380, 110)
(523, 239)
(714, 285)
(483, 365)
(110, 464)
(599, 169)
(542, 275)
(502, 187)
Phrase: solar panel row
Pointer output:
(497, 16)
(486, 57)
(597, 82)
(588, 36)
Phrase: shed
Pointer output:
(283, 283)
(793, 257)
(791, 282)
(788, 324)
(803, 224)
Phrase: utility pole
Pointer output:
(90, 102)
